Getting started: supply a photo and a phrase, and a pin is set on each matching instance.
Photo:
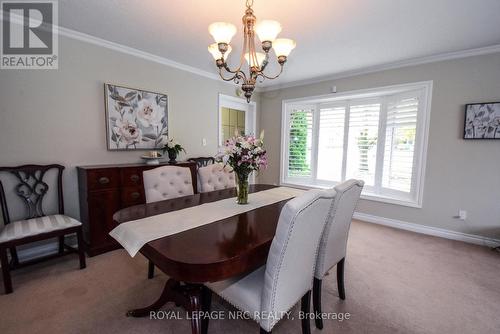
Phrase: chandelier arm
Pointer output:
(265, 63)
(231, 71)
(272, 77)
(237, 77)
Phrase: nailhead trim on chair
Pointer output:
(275, 280)
(329, 226)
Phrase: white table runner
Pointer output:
(135, 234)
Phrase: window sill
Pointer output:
(364, 196)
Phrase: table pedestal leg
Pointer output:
(165, 297)
(189, 296)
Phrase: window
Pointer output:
(377, 135)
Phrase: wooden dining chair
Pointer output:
(30, 185)
(287, 277)
(332, 250)
(164, 183)
(215, 177)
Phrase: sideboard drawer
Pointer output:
(132, 196)
(131, 177)
(103, 178)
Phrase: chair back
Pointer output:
(215, 177)
(28, 186)
(292, 256)
(202, 161)
(334, 240)
(167, 182)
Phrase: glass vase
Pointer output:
(242, 188)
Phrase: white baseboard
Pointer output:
(52, 247)
(434, 231)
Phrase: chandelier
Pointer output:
(267, 30)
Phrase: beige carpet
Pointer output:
(396, 282)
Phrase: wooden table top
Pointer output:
(212, 252)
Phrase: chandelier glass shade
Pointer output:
(252, 63)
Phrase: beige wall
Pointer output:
(460, 174)
(58, 115)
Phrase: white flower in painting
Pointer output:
(149, 113)
(127, 132)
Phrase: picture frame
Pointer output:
(482, 121)
(136, 119)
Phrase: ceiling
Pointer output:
(333, 36)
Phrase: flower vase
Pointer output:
(172, 155)
(242, 189)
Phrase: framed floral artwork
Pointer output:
(135, 119)
(482, 121)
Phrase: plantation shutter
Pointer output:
(362, 142)
(331, 143)
(300, 126)
(399, 148)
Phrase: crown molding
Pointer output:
(70, 33)
(76, 35)
(389, 66)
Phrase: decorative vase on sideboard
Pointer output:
(172, 156)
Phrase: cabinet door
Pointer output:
(102, 206)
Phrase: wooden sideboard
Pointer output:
(105, 189)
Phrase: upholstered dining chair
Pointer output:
(164, 183)
(27, 221)
(167, 182)
(215, 177)
(202, 161)
(332, 249)
(287, 277)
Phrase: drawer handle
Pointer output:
(134, 178)
(103, 180)
(135, 195)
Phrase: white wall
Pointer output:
(460, 174)
(57, 116)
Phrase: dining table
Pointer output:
(217, 251)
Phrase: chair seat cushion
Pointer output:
(26, 228)
(243, 292)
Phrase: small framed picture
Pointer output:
(482, 121)
(135, 119)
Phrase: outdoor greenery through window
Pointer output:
(377, 136)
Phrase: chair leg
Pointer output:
(206, 304)
(14, 259)
(7, 281)
(317, 303)
(61, 244)
(340, 278)
(81, 251)
(306, 308)
(151, 269)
